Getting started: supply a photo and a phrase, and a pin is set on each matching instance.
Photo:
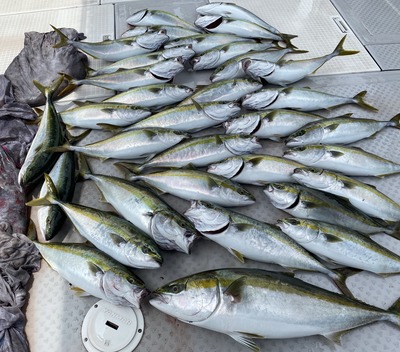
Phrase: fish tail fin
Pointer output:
(287, 39)
(64, 41)
(396, 231)
(72, 84)
(359, 99)
(83, 166)
(60, 149)
(340, 51)
(49, 198)
(340, 276)
(111, 128)
(395, 309)
(74, 139)
(48, 91)
(131, 170)
(396, 120)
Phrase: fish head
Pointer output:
(185, 52)
(212, 8)
(143, 254)
(206, 60)
(260, 100)
(305, 154)
(135, 19)
(123, 287)
(152, 40)
(305, 136)
(228, 168)
(222, 111)
(258, 68)
(207, 218)
(172, 231)
(245, 124)
(167, 69)
(282, 195)
(241, 144)
(228, 71)
(312, 177)
(208, 23)
(302, 231)
(178, 92)
(191, 299)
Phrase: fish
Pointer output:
(185, 52)
(173, 32)
(302, 99)
(341, 246)
(233, 68)
(92, 115)
(13, 212)
(255, 169)
(191, 118)
(351, 161)
(229, 90)
(49, 134)
(154, 96)
(270, 124)
(202, 151)
(160, 72)
(92, 272)
(362, 196)
(118, 49)
(128, 145)
(339, 130)
(252, 303)
(64, 177)
(285, 72)
(111, 234)
(307, 203)
(147, 17)
(245, 237)
(148, 212)
(197, 185)
(134, 31)
(203, 42)
(215, 57)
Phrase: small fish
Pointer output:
(153, 96)
(229, 90)
(147, 17)
(198, 185)
(202, 151)
(92, 115)
(270, 124)
(173, 32)
(215, 57)
(91, 271)
(118, 49)
(303, 99)
(113, 235)
(253, 303)
(341, 246)
(362, 196)
(49, 134)
(339, 130)
(255, 169)
(285, 72)
(307, 203)
(128, 145)
(351, 161)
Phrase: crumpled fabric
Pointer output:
(39, 61)
(19, 258)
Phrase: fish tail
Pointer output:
(60, 149)
(395, 310)
(396, 231)
(339, 277)
(83, 166)
(340, 51)
(72, 84)
(49, 198)
(396, 120)
(63, 38)
(131, 170)
(359, 100)
(111, 128)
(48, 91)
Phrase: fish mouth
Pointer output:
(158, 297)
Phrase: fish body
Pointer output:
(340, 245)
(173, 32)
(202, 151)
(255, 169)
(217, 56)
(270, 124)
(198, 185)
(362, 196)
(149, 213)
(92, 115)
(49, 134)
(352, 161)
(153, 96)
(92, 271)
(160, 72)
(229, 90)
(132, 144)
(306, 203)
(303, 99)
(13, 212)
(191, 118)
(252, 303)
(63, 175)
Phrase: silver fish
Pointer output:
(362, 196)
(303, 99)
(337, 130)
(255, 169)
(153, 96)
(135, 31)
(270, 124)
(253, 303)
(342, 246)
(173, 32)
(307, 203)
(352, 161)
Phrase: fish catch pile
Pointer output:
(205, 146)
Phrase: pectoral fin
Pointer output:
(79, 292)
(117, 239)
(234, 290)
(238, 255)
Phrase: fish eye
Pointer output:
(299, 149)
(315, 171)
(277, 186)
(177, 288)
(300, 133)
(292, 221)
(145, 250)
